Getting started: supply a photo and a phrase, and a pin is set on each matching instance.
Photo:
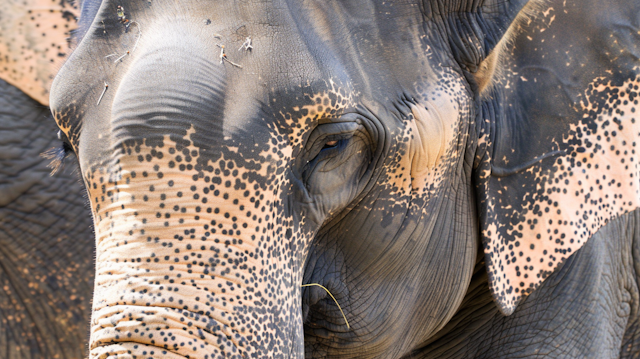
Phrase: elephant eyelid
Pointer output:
(326, 144)
(330, 144)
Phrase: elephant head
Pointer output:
(234, 151)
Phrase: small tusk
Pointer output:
(121, 57)
(106, 86)
(231, 62)
(246, 45)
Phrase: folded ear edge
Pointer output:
(489, 69)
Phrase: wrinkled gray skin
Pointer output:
(587, 309)
(46, 239)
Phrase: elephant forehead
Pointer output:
(177, 74)
(33, 43)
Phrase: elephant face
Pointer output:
(235, 151)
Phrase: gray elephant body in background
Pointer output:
(46, 239)
(46, 236)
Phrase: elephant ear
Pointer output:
(33, 43)
(559, 130)
(476, 28)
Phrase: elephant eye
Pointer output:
(330, 144)
(327, 138)
(330, 147)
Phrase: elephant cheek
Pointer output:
(189, 265)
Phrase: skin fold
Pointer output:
(461, 176)
(46, 235)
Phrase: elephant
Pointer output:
(359, 179)
(46, 235)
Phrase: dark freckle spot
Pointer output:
(170, 183)
(179, 194)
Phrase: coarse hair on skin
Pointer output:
(491, 68)
(56, 155)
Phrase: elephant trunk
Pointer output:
(181, 278)
(191, 256)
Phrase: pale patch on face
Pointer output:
(596, 181)
(431, 134)
(33, 43)
(434, 132)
